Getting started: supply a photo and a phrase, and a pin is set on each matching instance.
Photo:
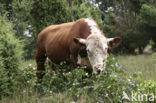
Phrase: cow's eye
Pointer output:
(106, 49)
(88, 50)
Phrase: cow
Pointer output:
(81, 41)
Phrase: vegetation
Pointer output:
(127, 18)
(143, 64)
(133, 20)
(22, 20)
(79, 86)
(10, 55)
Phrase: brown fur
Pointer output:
(56, 43)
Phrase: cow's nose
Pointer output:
(78, 64)
(99, 68)
(98, 71)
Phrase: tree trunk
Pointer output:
(70, 3)
(140, 50)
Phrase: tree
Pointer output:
(126, 22)
(10, 56)
(48, 12)
(85, 10)
(18, 11)
(21, 17)
(5, 5)
(147, 24)
(22, 25)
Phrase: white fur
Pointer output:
(90, 22)
(93, 26)
(97, 45)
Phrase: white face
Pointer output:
(97, 46)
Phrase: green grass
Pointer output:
(29, 96)
(26, 63)
(145, 64)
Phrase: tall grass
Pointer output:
(145, 64)
(28, 95)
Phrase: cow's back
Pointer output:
(54, 40)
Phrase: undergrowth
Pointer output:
(77, 85)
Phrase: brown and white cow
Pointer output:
(82, 41)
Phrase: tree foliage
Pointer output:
(147, 24)
(10, 56)
(132, 20)
(48, 12)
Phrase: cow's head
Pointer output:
(96, 49)
(96, 46)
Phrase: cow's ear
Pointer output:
(79, 41)
(114, 42)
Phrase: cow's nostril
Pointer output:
(95, 67)
(78, 65)
(99, 68)
(98, 71)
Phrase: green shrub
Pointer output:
(10, 53)
(28, 76)
(106, 87)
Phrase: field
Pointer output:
(144, 64)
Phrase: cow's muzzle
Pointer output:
(99, 68)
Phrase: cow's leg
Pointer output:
(40, 60)
(74, 59)
(74, 55)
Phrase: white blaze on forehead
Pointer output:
(93, 26)
(90, 22)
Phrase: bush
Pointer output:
(10, 53)
(107, 87)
